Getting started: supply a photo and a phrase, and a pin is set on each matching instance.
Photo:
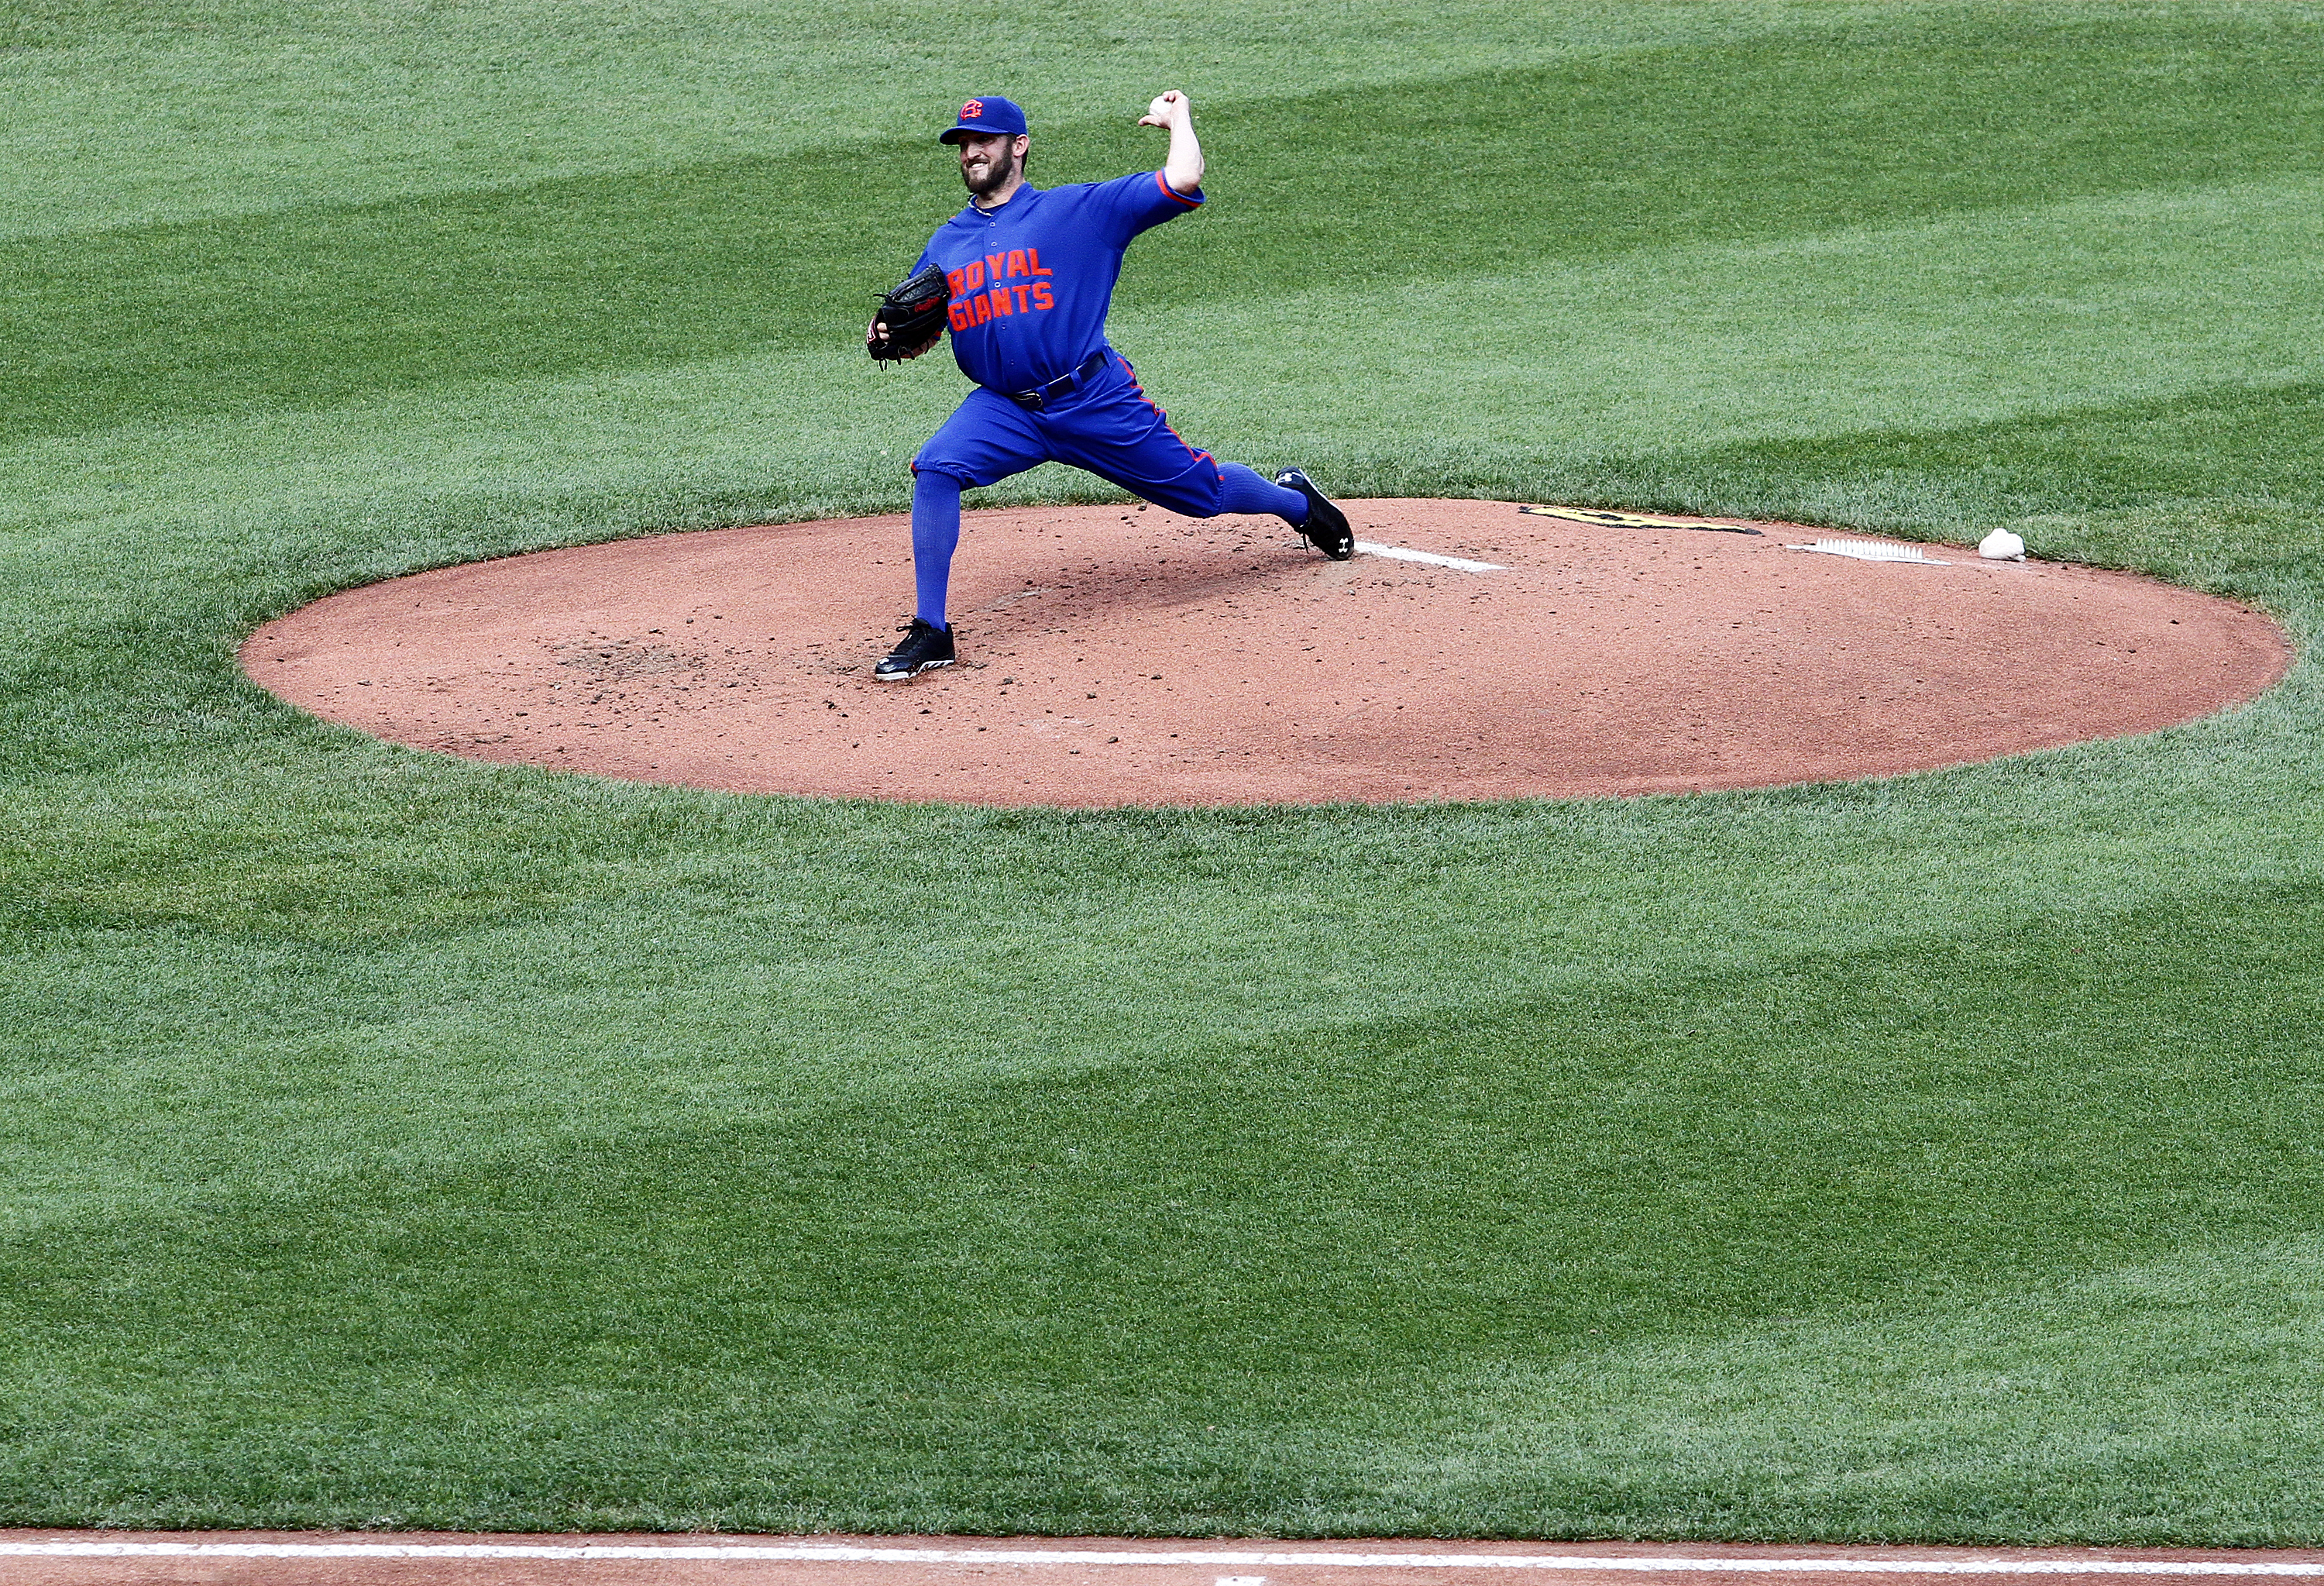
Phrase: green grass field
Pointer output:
(389, 1140)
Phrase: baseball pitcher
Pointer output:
(1022, 278)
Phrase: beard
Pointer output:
(995, 175)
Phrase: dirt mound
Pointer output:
(1117, 655)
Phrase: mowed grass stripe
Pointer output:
(732, 974)
(2112, 1387)
(2257, 452)
(320, 306)
(1744, 339)
(123, 115)
(1251, 1235)
(1866, 1119)
(2117, 1387)
(2099, 299)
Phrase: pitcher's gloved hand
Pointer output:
(911, 317)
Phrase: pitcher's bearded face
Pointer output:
(987, 161)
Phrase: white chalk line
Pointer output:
(1401, 554)
(835, 1553)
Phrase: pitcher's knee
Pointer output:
(1198, 492)
(925, 467)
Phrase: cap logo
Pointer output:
(973, 110)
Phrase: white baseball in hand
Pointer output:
(1166, 110)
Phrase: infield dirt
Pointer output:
(1116, 655)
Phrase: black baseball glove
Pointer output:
(912, 316)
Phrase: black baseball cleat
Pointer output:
(1326, 527)
(926, 647)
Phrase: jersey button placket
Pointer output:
(999, 343)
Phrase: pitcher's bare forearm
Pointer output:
(1183, 169)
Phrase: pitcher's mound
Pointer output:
(1113, 655)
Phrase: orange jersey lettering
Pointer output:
(1031, 281)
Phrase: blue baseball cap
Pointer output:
(987, 115)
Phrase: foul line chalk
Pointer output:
(832, 1553)
(1398, 553)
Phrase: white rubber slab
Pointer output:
(1872, 551)
(1405, 554)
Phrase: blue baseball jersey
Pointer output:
(1031, 281)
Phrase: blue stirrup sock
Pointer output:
(1246, 490)
(935, 535)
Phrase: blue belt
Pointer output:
(1041, 396)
